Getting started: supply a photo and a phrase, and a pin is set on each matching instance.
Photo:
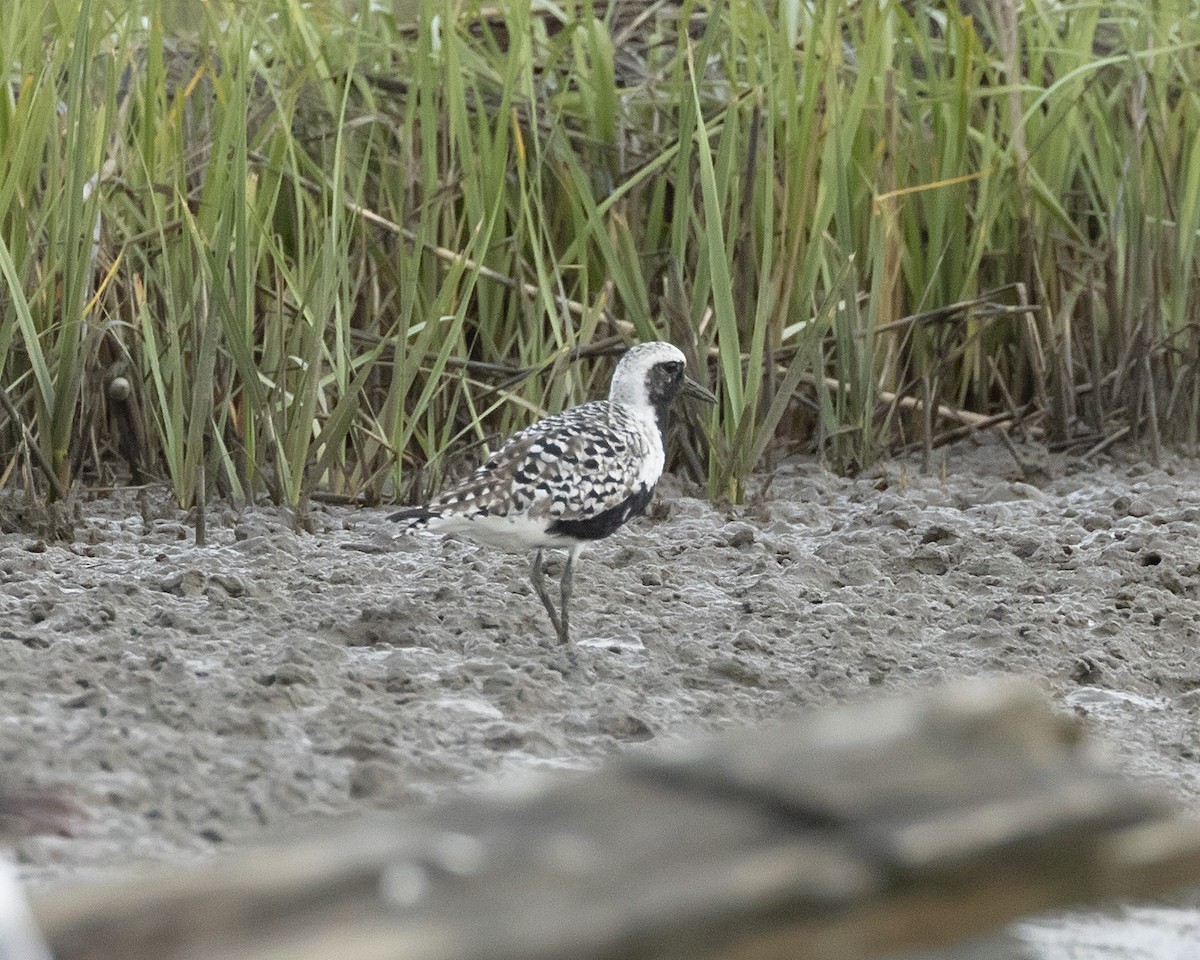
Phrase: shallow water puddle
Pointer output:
(521, 761)
(614, 645)
(1097, 698)
(1134, 933)
(469, 705)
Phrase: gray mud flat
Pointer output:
(195, 697)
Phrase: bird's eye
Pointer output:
(673, 367)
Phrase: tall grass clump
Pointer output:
(337, 248)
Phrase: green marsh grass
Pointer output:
(277, 249)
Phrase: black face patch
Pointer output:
(662, 384)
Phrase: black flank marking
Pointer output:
(607, 523)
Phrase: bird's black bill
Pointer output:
(692, 389)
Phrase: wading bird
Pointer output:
(573, 478)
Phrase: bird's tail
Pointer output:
(413, 518)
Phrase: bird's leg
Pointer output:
(565, 593)
(539, 584)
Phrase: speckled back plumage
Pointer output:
(571, 466)
(573, 477)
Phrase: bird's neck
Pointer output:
(653, 416)
(649, 407)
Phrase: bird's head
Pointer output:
(651, 375)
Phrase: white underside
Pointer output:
(514, 534)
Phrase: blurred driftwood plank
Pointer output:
(848, 833)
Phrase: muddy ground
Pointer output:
(196, 697)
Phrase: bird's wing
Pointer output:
(572, 466)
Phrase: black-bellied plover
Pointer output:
(572, 478)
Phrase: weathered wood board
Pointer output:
(842, 834)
